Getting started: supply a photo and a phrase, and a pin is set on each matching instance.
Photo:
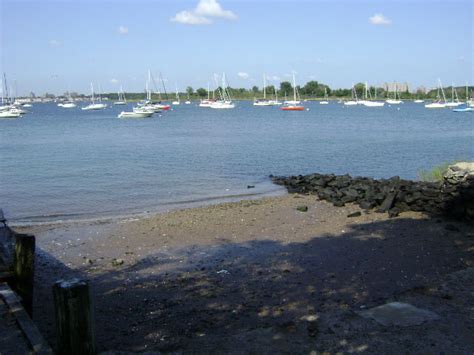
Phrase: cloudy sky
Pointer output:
(53, 46)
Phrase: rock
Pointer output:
(338, 203)
(393, 212)
(366, 205)
(354, 214)
(117, 262)
(387, 202)
(302, 208)
(401, 314)
(250, 186)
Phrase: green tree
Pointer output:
(201, 92)
(189, 90)
(255, 89)
(285, 88)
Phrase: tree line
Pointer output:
(311, 90)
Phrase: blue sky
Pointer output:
(53, 46)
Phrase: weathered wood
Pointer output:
(74, 317)
(34, 338)
(24, 269)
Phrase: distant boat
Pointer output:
(121, 98)
(226, 101)
(354, 101)
(293, 105)
(396, 98)
(264, 101)
(438, 103)
(93, 105)
(454, 98)
(368, 98)
(207, 102)
(419, 101)
(136, 114)
(176, 102)
(9, 114)
(325, 101)
(464, 109)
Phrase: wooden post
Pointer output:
(74, 317)
(24, 269)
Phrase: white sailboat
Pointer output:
(94, 105)
(136, 113)
(264, 101)
(325, 101)
(396, 98)
(176, 102)
(369, 101)
(454, 98)
(438, 103)
(295, 104)
(207, 102)
(226, 101)
(354, 101)
(121, 98)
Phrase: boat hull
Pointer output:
(292, 108)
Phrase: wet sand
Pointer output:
(261, 276)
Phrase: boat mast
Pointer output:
(294, 87)
(264, 90)
(92, 91)
(442, 90)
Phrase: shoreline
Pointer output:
(251, 272)
(110, 217)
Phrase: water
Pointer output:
(59, 164)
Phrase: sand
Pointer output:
(261, 276)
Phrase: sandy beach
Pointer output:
(263, 276)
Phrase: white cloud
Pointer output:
(379, 19)
(114, 81)
(243, 75)
(55, 43)
(123, 30)
(201, 15)
(212, 8)
(190, 18)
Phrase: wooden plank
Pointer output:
(24, 322)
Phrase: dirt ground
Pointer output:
(260, 276)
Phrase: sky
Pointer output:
(56, 46)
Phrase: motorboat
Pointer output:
(9, 114)
(135, 114)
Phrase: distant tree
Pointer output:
(270, 89)
(189, 90)
(255, 89)
(360, 88)
(201, 92)
(49, 96)
(285, 88)
(311, 88)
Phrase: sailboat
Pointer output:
(226, 101)
(454, 98)
(264, 101)
(354, 101)
(438, 103)
(121, 98)
(368, 98)
(396, 98)
(69, 103)
(325, 101)
(207, 102)
(293, 105)
(276, 102)
(467, 107)
(187, 102)
(94, 105)
(176, 102)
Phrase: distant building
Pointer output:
(421, 89)
(400, 87)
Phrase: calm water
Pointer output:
(65, 164)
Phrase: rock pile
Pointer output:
(453, 196)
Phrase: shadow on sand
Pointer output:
(266, 296)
